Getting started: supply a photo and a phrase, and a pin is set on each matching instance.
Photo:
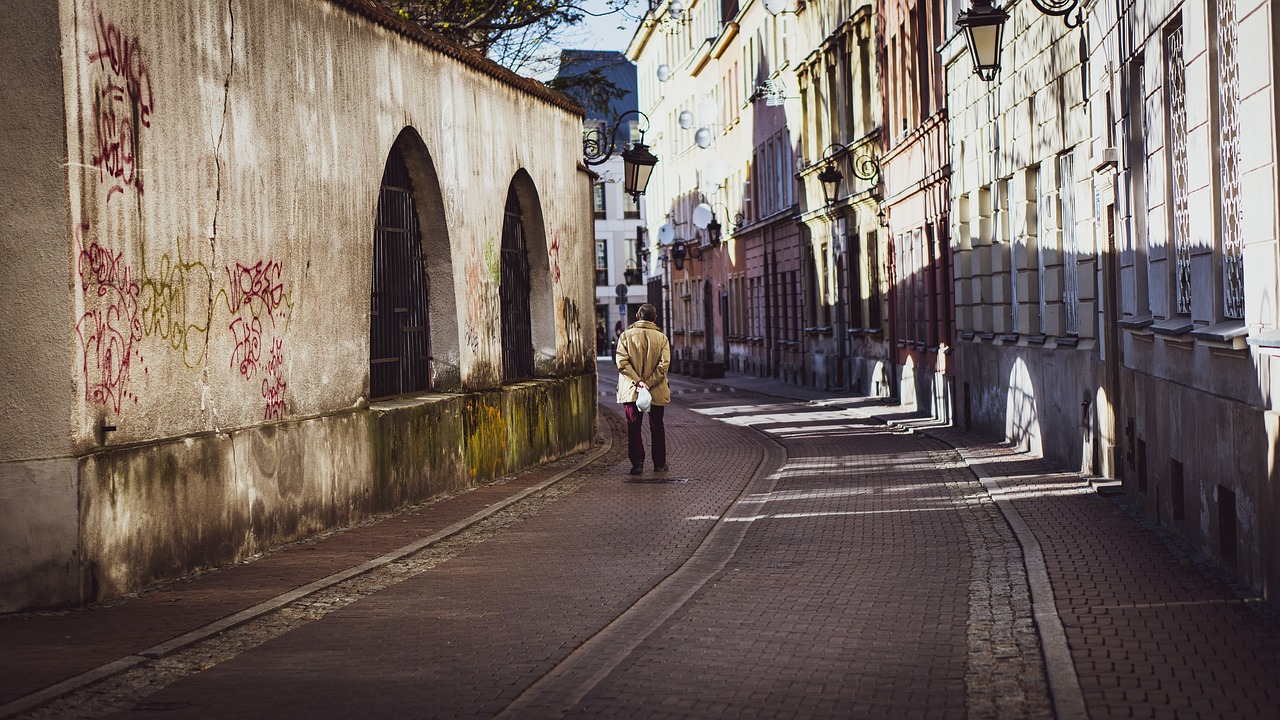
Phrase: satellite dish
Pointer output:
(686, 119)
(702, 216)
(664, 72)
(708, 111)
(702, 138)
(666, 234)
(715, 173)
(775, 6)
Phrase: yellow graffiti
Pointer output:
(174, 299)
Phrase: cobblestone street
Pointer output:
(802, 558)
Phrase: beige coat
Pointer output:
(643, 355)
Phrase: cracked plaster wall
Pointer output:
(197, 225)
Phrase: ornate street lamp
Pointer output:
(637, 160)
(713, 230)
(830, 178)
(983, 27)
(865, 167)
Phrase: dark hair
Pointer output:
(647, 312)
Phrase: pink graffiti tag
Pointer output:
(248, 337)
(122, 105)
(257, 287)
(273, 392)
(256, 296)
(111, 329)
(553, 253)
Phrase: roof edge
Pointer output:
(382, 15)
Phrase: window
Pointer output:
(1070, 255)
(599, 200)
(875, 319)
(1228, 78)
(399, 347)
(514, 291)
(630, 208)
(602, 262)
(853, 257)
(1175, 81)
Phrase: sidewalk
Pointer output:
(1152, 629)
(44, 649)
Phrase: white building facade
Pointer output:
(1115, 242)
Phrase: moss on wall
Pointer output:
(162, 510)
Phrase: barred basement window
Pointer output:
(1175, 80)
(399, 348)
(1229, 120)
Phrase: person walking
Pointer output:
(643, 356)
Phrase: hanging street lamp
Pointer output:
(983, 27)
(598, 146)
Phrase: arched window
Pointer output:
(399, 337)
(514, 292)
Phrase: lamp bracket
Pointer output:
(598, 145)
(1062, 9)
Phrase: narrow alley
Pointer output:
(802, 558)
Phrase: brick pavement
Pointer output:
(41, 649)
(817, 563)
(1153, 629)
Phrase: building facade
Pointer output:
(619, 218)
(265, 290)
(916, 166)
(1114, 229)
(747, 98)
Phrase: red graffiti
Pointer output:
(273, 392)
(256, 296)
(248, 337)
(553, 253)
(122, 105)
(257, 287)
(121, 55)
(110, 328)
(277, 356)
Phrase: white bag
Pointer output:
(644, 400)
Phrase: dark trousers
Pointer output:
(635, 444)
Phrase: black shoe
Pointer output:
(659, 468)
(636, 470)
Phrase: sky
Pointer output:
(603, 33)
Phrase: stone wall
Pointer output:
(192, 257)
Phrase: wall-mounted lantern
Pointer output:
(637, 160)
(983, 27)
(865, 167)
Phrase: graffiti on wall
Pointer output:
(173, 302)
(483, 274)
(111, 328)
(553, 254)
(259, 308)
(123, 103)
(576, 348)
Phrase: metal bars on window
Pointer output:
(399, 349)
(1175, 79)
(1229, 120)
(1070, 251)
(513, 292)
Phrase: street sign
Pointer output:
(621, 291)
